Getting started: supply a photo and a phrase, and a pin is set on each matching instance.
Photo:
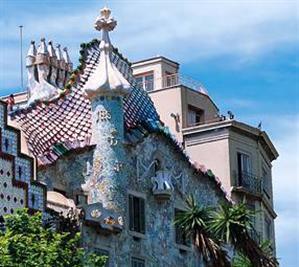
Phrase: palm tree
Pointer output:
(231, 224)
(240, 260)
(194, 223)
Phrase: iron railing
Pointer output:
(250, 182)
(171, 80)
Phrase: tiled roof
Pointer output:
(58, 126)
(51, 128)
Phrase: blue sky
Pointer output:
(245, 53)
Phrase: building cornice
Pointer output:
(155, 59)
(236, 126)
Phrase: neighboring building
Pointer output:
(239, 154)
(18, 187)
(100, 145)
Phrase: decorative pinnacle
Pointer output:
(104, 21)
(32, 50)
(66, 55)
(58, 52)
(42, 49)
(51, 49)
(106, 79)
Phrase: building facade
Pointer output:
(239, 154)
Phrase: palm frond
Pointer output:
(193, 223)
(232, 224)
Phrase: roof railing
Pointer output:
(171, 80)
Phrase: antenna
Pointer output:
(21, 55)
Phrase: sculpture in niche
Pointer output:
(175, 178)
(162, 185)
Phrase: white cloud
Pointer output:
(186, 30)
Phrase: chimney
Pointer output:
(53, 64)
(68, 63)
(61, 67)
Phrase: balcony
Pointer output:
(171, 80)
(249, 182)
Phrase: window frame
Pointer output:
(268, 227)
(137, 258)
(198, 112)
(267, 182)
(133, 231)
(186, 245)
(240, 171)
(144, 80)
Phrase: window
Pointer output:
(136, 214)
(195, 116)
(136, 262)
(145, 81)
(180, 236)
(170, 79)
(266, 182)
(268, 228)
(102, 252)
(244, 168)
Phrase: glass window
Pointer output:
(195, 116)
(268, 228)
(139, 81)
(266, 182)
(136, 214)
(136, 262)
(149, 82)
(244, 164)
(145, 81)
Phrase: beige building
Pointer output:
(239, 154)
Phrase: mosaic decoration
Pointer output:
(11, 196)
(17, 187)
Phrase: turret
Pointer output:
(106, 89)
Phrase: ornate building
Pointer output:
(18, 187)
(101, 148)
